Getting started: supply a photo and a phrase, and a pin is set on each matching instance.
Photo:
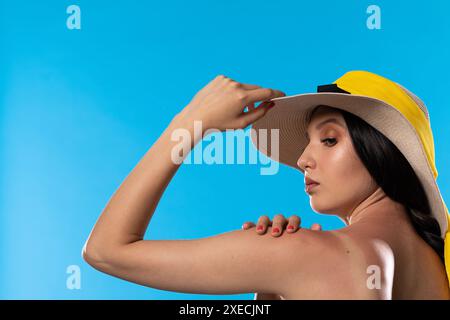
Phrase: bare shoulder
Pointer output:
(344, 265)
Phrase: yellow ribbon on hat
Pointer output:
(447, 245)
(372, 85)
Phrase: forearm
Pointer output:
(127, 214)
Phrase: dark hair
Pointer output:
(395, 176)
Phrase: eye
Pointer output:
(329, 139)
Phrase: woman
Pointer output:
(380, 254)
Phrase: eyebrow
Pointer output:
(321, 124)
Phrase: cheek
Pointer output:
(345, 181)
(344, 173)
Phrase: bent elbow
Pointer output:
(92, 255)
(104, 259)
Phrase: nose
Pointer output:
(305, 161)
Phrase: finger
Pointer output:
(251, 106)
(316, 227)
(279, 222)
(252, 115)
(263, 94)
(249, 86)
(248, 225)
(294, 223)
(220, 81)
(262, 224)
(245, 86)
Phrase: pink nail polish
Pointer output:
(275, 230)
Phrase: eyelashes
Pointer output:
(327, 140)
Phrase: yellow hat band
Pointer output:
(447, 246)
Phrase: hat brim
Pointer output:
(289, 116)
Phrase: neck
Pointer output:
(376, 205)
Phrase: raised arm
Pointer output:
(219, 105)
(233, 262)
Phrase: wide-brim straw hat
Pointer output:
(386, 105)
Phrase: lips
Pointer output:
(310, 184)
(308, 180)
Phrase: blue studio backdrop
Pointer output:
(86, 87)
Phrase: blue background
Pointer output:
(79, 108)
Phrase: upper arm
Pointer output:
(234, 262)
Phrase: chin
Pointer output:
(322, 208)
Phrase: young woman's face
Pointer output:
(343, 180)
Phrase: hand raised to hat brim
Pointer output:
(221, 103)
